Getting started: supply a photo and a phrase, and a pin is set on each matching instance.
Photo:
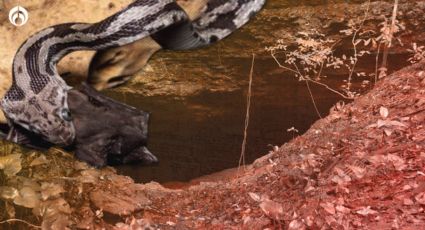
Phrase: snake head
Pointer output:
(46, 114)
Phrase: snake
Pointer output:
(37, 98)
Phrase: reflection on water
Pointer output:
(201, 134)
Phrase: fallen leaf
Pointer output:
(51, 190)
(11, 164)
(366, 211)
(341, 178)
(358, 172)
(27, 198)
(90, 176)
(397, 161)
(170, 223)
(8, 193)
(26, 182)
(41, 160)
(309, 221)
(99, 213)
(52, 208)
(408, 202)
(420, 198)
(56, 222)
(296, 225)
(328, 207)
(407, 187)
(246, 220)
(384, 112)
(255, 196)
(388, 132)
(272, 209)
(342, 209)
(389, 124)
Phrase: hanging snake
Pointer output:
(37, 99)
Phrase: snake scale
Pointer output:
(37, 99)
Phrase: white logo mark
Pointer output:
(18, 16)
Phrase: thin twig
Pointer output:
(376, 62)
(248, 108)
(391, 35)
(312, 99)
(393, 21)
(311, 93)
(353, 41)
(21, 221)
(282, 66)
(330, 89)
(308, 79)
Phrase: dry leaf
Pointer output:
(90, 176)
(272, 209)
(255, 196)
(27, 198)
(328, 207)
(28, 183)
(79, 165)
(136, 224)
(397, 161)
(342, 209)
(377, 159)
(56, 222)
(408, 201)
(342, 177)
(384, 112)
(388, 132)
(420, 198)
(296, 225)
(389, 124)
(11, 164)
(52, 208)
(51, 190)
(41, 160)
(170, 223)
(309, 221)
(407, 187)
(366, 211)
(359, 172)
(8, 193)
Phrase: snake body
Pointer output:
(37, 99)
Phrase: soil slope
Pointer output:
(363, 166)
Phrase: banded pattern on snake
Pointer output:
(37, 99)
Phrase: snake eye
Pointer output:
(66, 115)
